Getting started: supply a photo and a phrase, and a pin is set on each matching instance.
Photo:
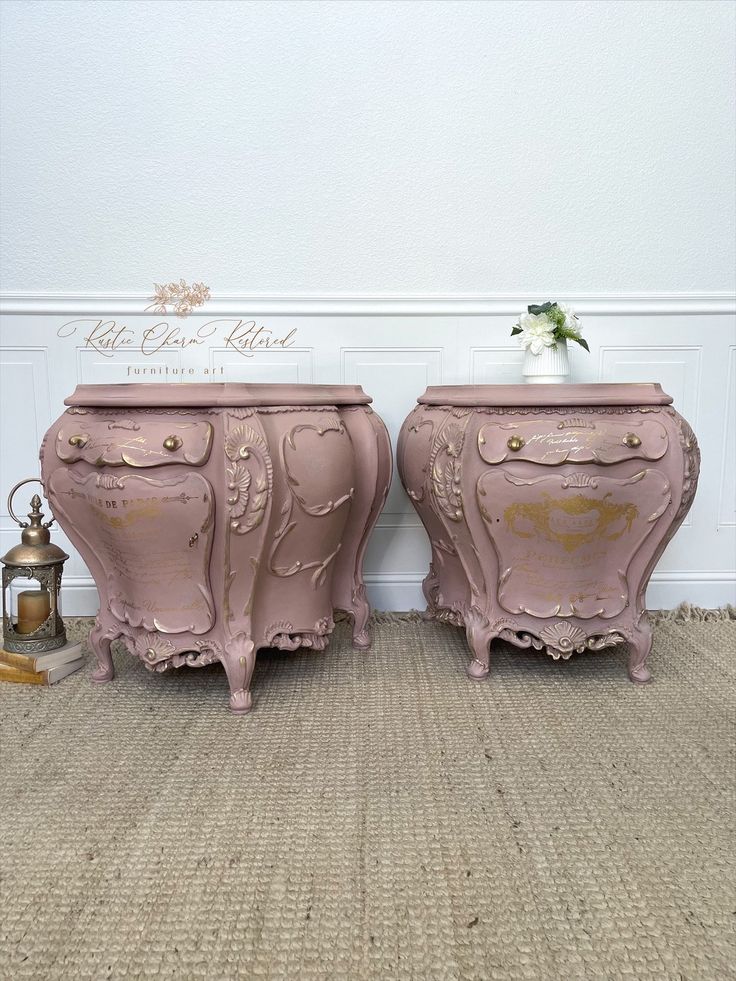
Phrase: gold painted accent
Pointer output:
(78, 440)
(539, 514)
(242, 661)
(172, 443)
(515, 443)
(632, 441)
(193, 540)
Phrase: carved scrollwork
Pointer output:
(295, 499)
(562, 639)
(430, 588)
(248, 496)
(283, 636)
(579, 480)
(575, 422)
(691, 454)
(109, 481)
(159, 653)
(445, 467)
(208, 651)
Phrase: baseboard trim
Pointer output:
(428, 305)
(403, 591)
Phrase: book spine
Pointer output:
(18, 676)
(21, 661)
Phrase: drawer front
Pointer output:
(552, 441)
(134, 440)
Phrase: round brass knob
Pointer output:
(515, 443)
(78, 440)
(172, 443)
(632, 441)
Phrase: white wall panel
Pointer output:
(394, 350)
(727, 496)
(394, 377)
(294, 366)
(24, 417)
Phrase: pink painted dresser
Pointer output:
(547, 508)
(218, 519)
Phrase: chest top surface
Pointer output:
(648, 393)
(214, 394)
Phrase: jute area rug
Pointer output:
(378, 815)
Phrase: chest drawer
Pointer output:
(134, 440)
(555, 440)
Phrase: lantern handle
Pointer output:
(11, 495)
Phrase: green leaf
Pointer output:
(537, 308)
(582, 342)
(515, 330)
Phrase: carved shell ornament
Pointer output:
(153, 647)
(564, 637)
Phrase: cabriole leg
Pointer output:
(480, 635)
(360, 612)
(239, 659)
(640, 645)
(100, 640)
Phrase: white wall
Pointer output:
(419, 171)
(371, 147)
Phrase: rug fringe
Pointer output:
(684, 613)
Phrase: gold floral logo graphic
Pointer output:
(180, 297)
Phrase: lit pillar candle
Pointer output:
(34, 606)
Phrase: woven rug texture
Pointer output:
(378, 815)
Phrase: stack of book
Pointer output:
(41, 669)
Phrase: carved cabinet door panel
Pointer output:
(565, 541)
(153, 537)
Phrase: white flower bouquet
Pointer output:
(544, 325)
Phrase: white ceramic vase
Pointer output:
(549, 366)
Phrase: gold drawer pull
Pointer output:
(632, 441)
(172, 443)
(78, 440)
(515, 443)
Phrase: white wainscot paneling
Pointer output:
(97, 368)
(501, 365)
(677, 369)
(394, 377)
(294, 365)
(495, 365)
(25, 416)
(727, 495)
(394, 349)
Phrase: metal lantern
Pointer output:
(32, 620)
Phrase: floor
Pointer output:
(378, 815)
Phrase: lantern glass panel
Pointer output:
(31, 606)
